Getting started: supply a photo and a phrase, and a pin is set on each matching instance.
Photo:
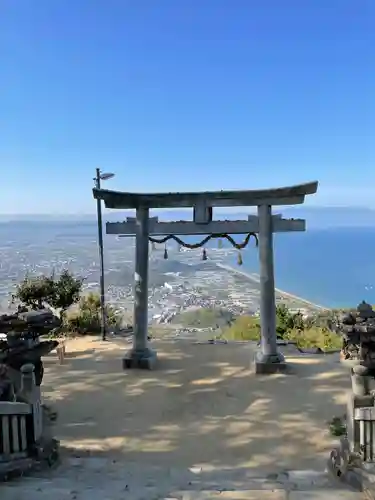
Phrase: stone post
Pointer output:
(31, 393)
(28, 386)
(141, 356)
(269, 359)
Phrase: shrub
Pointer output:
(204, 317)
(337, 426)
(289, 326)
(315, 337)
(87, 318)
(243, 328)
(282, 320)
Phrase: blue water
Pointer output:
(333, 267)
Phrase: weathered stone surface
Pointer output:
(45, 455)
(42, 320)
(95, 478)
(145, 359)
(262, 368)
(20, 349)
(324, 495)
(230, 495)
(365, 310)
(266, 365)
(352, 461)
(358, 333)
(348, 319)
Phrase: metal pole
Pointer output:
(101, 259)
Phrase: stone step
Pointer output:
(266, 495)
(103, 479)
(87, 493)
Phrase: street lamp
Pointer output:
(101, 177)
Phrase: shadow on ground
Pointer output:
(203, 406)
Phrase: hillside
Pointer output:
(204, 318)
(315, 331)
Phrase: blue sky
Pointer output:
(185, 95)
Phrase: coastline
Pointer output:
(282, 293)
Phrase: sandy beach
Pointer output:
(255, 278)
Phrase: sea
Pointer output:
(331, 267)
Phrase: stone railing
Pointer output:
(354, 459)
(25, 438)
(358, 332)
(16, 419)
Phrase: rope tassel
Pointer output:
(239, 259)
(165, 253)
(204, 254)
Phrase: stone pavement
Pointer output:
(135, 434)
(104, 479)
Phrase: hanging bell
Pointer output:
(220, 243)
(239, 259)
(204, 254)
(165, 252)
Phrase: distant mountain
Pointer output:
(46, 217)
(316, 217)
(322, 217)
(327, 217)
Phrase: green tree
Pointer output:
(66, 291)
(287, 321)
(282, 320)
(296, 321)
(60, 293)
(35, 291)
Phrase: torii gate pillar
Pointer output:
(269, 359)
(141, 355)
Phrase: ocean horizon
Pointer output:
(330, 267)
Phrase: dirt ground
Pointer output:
(203, 406)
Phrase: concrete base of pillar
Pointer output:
(268, 364)
(145, 359)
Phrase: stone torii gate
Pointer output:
(268, 359)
